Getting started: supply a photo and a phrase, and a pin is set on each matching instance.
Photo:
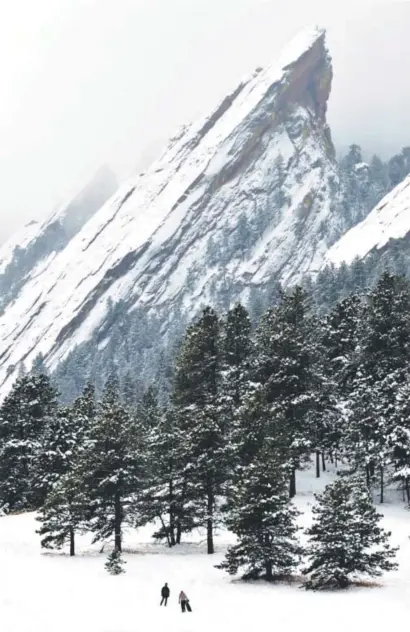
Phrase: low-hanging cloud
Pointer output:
(87, 82)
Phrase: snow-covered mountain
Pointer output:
(389, 220)
(23, 255)
(246, 195)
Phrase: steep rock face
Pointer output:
(388, 221)
(242, 197)
(25, 251)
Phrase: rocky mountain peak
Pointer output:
(238, 200)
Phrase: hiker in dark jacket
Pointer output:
(164, 594)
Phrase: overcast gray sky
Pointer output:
(87, 82)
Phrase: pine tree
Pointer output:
(24, 414)
(263, 519)
(381, 368)
(197, 405)
(53, 454)
(236, 355)
(128, 390)
(39, 365)
(346, 540)
(148, 412)
(338, 343)
(63, 514)
(165, 499)
(236, 367)
(399, 436)
(115, 563)
(285, 371)
(113, 467)
(67, 504)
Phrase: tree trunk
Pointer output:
(381, 484)
(336, 458)
(166, 531)
(178, 518)
(367, 476)
(268, 568)
(331, 457)
(317, 464)
(323, 462)
(210, 521)
(179, 532)
(72, 542)
(117, 521)
(292, 485)
(407, 490)
(171, 539)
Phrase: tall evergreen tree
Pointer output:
(197, 404)
(338, 343)
(399, 436)
(166, 497)
(285, 371)
(382, 365)
(113, 467)
(236, 367)
(67, 502)
(24, 415)
(53, 454)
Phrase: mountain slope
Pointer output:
(389, 220)
(244, 196)
(29, 248)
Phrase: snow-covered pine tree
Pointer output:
(399, 437)
(148, 411)
(24, 413)
(115, 562)
(128, 390)
(64, 513)
(337, 349)
(236, 355)
(381, 368)
(53, 454)
(85, 408)
(112, 467)
(236, 366)
(67, 504)
(196, 400)
(285, 371)
(263, 519)
(346, 540)
(39, 365)
(165, 499)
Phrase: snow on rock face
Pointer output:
(390, 219)
(24, 254)
(243, 196)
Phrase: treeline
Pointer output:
(364, 184)
(248, 407)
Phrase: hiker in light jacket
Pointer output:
(184, 601)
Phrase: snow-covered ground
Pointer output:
(55, 593)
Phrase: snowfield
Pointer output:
(56, 593)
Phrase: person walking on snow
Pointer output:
(164, 594)
(184, 601)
